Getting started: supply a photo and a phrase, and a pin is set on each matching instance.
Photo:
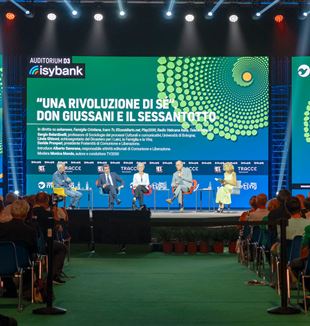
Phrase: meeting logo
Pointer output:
(57, 71)
(303, 71)
(34, 71)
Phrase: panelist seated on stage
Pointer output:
(140, 186)
(223, 195)
(61, 180)
(182, 181)
(110, 183)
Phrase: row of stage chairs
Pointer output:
(254, 251)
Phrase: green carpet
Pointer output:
(157, 289)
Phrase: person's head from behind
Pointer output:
(252, 202)
(61, 167)
(283, 196)
(42, 199)
(301, 199)
(140, 167)
(179, 165)
(10, 198)
(106, 168)
(19, 209)
(261, 200)
(293, 206)
(307, 204)
(273, 204)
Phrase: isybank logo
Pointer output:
(303, 71)
(57, 71)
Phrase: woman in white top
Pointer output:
(140, 185)
(223, 195)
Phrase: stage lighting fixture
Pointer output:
(210, 13)
(258, 14)
(51, 16)
(189, 18)
(10, 16)
(306, 13)
(98, 17)
(122, 13)
(16, 192)
(74, 12)
(233, 18)
(279, 18)
(168, 13)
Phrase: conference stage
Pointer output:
(135, 226)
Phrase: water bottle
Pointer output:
(79, 185)
(86, 185)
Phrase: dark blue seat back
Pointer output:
(256, 233)
(8, 259)
(23, 256)
(295, 248)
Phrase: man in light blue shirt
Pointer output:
(181, 182)
(61, 180)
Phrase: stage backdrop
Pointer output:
(300, 124)
(203, 110)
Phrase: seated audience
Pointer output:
(10, 198)
(307, 207)
(278, 213)
(261, 211)
(301, 199)
(245, 215)
(41, 214)
(297, 265)
(296, 224)
(16, 230)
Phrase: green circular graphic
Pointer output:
(235, 89)
(307, 123)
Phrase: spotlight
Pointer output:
(189, 18)
(210, 13)
(27, 12)
(10, 16)
(279, 18)
(51, 16)
(74, 12)
(168, 13)
(233, 18)
(16, 192)
(258, 14)
(98, 17)
(305, 14)
(122, 13)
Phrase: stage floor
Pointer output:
(194, 214)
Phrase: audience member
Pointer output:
(296, 224)
(41, 214)
(278, 213)
(261, 211)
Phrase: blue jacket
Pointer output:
(59, 180)
(115, 179)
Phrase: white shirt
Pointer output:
(110, 179)
(296, 226)
(141, 180)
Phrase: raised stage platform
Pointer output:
(128, 226)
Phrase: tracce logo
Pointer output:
(303, 71)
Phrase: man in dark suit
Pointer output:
(110, 183)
